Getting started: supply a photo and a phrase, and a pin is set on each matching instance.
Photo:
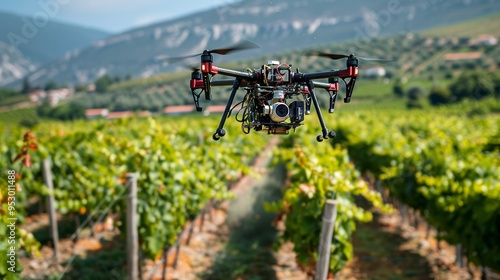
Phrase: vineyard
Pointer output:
(442, 164)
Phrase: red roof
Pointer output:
(220, 108)
(95, 112)
(178, 109)
(144, 114)
(119, 115)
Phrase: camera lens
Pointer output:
(281, 110)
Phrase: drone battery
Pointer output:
(297, 111)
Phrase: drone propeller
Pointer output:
(334, 56)
(243, 45)
(192, 67)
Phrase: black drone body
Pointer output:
(277, 98)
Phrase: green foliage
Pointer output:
(51, 85)
(67, 111)
(12, 200)
(398, 89)
(318, 173)
(476, 85)
(102, 83)
(27, 87)
(440, 95)
(180, 169)
(437, 164)
(6, 93)
(10, 97)
(29, 123)
(415, 94)
(80, 88)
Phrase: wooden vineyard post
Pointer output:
(459, 259)
(403, 210)
(380, 189)
(131, 231)
(325, 242)
(51, 205)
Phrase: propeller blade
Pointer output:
(376, 59)
(339, 56)
(192, 67)
(243, 45)
(174, 59)
(327, 55)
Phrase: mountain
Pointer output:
(13, 64)
(42, 43)
(275, 25)
(27, 42)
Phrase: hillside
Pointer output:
(46, 44)
(50, 41)
(282, 26)
(483, 25)
(13, 64)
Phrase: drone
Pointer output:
(277, 98)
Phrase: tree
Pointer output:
(414, 97)
(415, 92)
(29, 123)
(51, 85)
(80, 88)
(440, 95)
(27, 88)
(398, 89)
(71, 111)
(475, 85)
(102, 83)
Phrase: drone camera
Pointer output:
(277, 109)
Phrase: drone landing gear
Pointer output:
(326, 134)
(220, 132)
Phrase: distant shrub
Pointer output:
(478, 111)
(414, 104)
(476, 85)
(415, 93)
(440, 95)
(398, 89)
(29, 123)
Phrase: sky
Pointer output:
(109, 15)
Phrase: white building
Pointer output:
(374, 72)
